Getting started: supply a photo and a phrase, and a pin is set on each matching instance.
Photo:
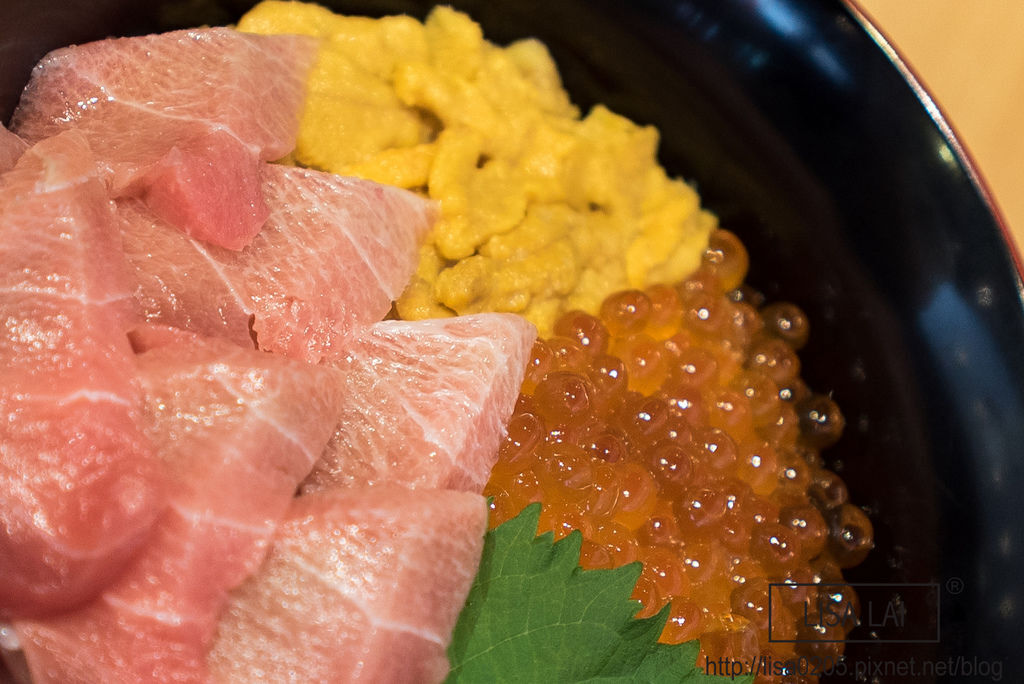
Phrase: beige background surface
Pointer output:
(970, 56)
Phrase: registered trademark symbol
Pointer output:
(954, 585)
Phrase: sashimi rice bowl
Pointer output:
(351, 349)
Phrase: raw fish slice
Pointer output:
(210, 188)
(238, 429)
(79, 484)
(123, 93)
(360, 586)
(426, 402)
(11, 148)
(157, 100)
(273, 416)
(332, 256)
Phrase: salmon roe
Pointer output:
(673, 428)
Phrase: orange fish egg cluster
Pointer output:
(674, 429)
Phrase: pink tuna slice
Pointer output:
(331, 258)
(79, 484)
(232, 479)
(209, 188)
(426, 402)
(360, 586)
(11, 149)
(157, 110)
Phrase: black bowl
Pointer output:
(803, 131)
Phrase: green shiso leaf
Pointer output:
(533, 615)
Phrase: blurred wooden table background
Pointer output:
(970, 56)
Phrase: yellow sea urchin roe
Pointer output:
(541, 211)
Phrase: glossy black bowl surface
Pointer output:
(799, 130)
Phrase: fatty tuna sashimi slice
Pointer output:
(426, 402)
(333, 255)
(79, 483)
(182, 118)
(216, 78)
(360, 586)
(209, 187)
(11, 149)
(238, 429)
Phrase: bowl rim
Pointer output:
(946, 128)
